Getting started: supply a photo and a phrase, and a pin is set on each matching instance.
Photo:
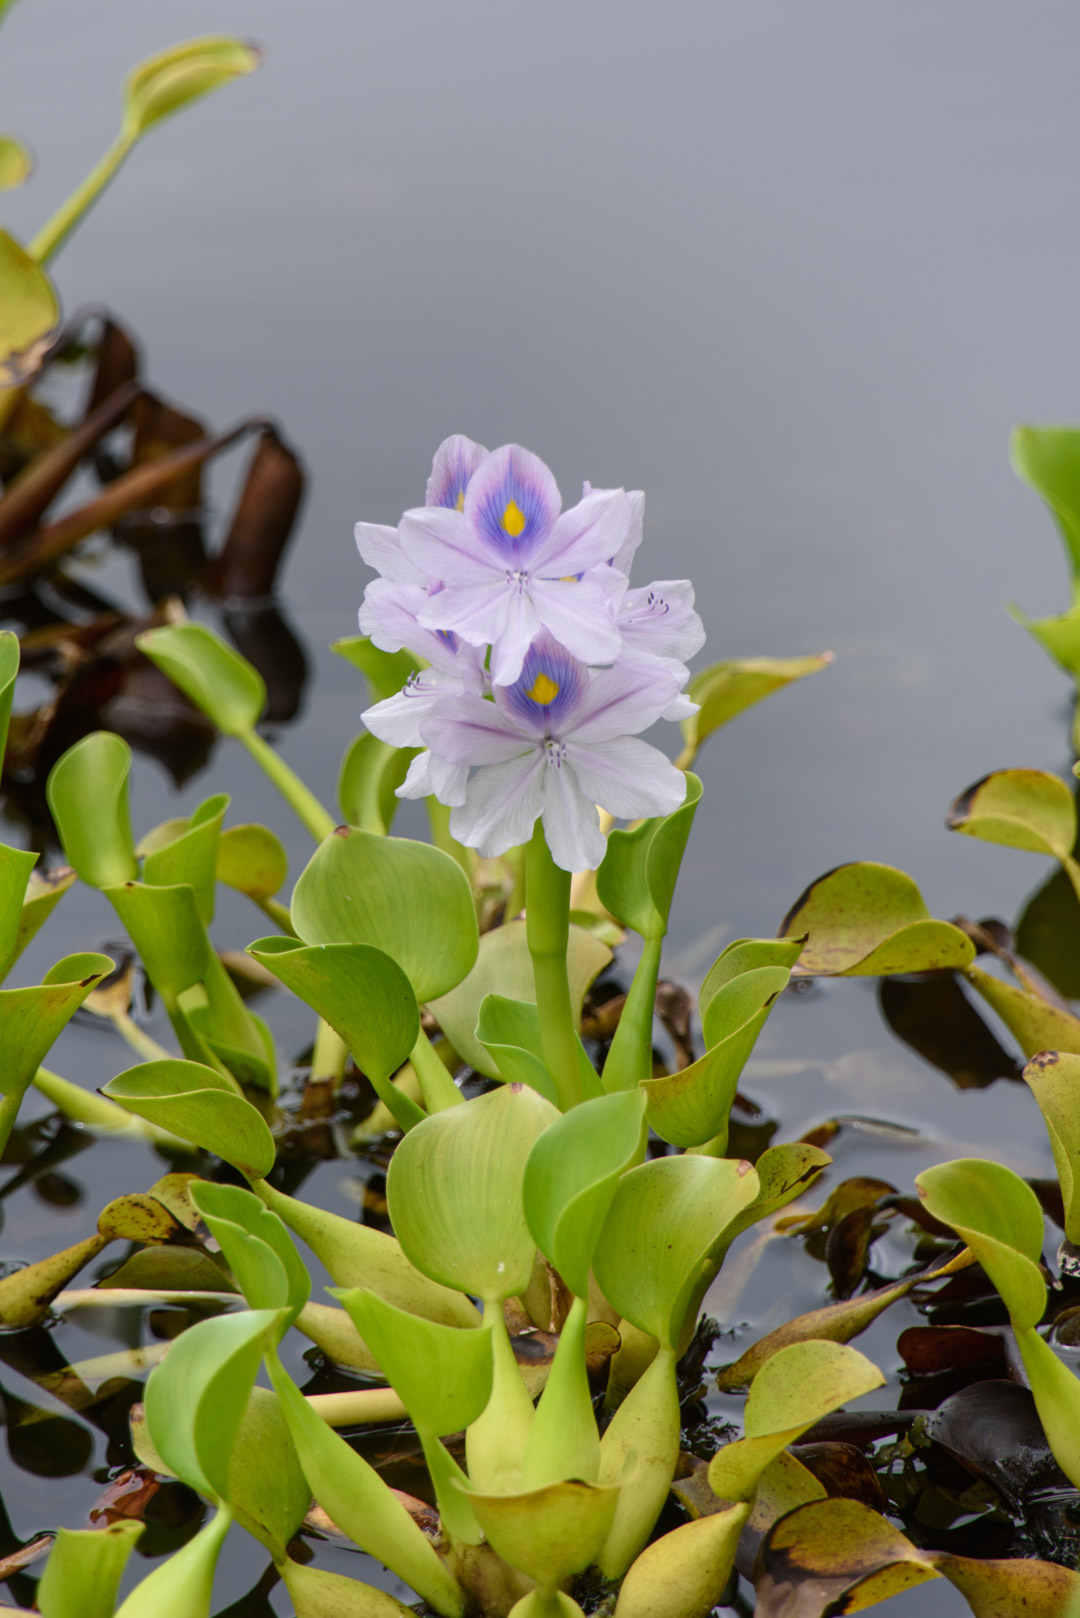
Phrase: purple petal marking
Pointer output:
(512, 504)
(549, 691)
(456, 459)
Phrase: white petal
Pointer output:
(417, 782)
(456, 459)
(589, 533)
(444, 545)
(580, 614)
(682, 708)
(627, 698)
(501, 805)
(428, 774)
(509, 647)
(627, 777)
(397, 720)
(477, 612)
(467, 730)
(388, 615)
(571, 824)
(380, 548)
(625, 556)
(660, 619)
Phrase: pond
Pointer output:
(795, 272)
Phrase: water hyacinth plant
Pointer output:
(544, 1189)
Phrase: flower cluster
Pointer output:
(543, 665)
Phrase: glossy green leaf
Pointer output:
(1037, 1024)
(783, 1172)
(509, 1030)
(408, 899)
(196, 1397)
(548, 1533)
(724, 690)
(692, 1105)
(454, 1189)
(639, 1451)
(31, 1019)
(998, 1215)
(252, 860)
(168, 933)
(1028, 809)
(868, 920)
(1047, 459)
(201, 1105)
(656, 1254)
(570, 1178)
(16, 868)
(371, 772)
(84, 1570)
(364, 996)
(216, 679)
(796, 1388)
(636, 880)
(192, 856)
(746, 955)
(234, 1035)
(9, 668)
(167, 81)
(44, 890)
(504, 967)
(683, 1573)
(359, 1256)
(386, 672)
(1054, 1080)
(443, 1374)
(16, 165)
(29, 312)
(183, 1586)
(87, 791)
(257, 1247)
(359, 1502)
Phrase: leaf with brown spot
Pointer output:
(869, 920)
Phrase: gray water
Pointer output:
(794, 270)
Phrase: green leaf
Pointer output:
(570, 1178)
(998, 1215)
(1059, 635)
(191, 857)
(691, 1106)
(29, 313)
(504, 967)
(386, 672)
(442, 1374)
(216, 679)
(636, 880)
(869, 920)
(364, 996)
(170, 79)
(1047, 933)
(1054, 1080)
(796, 1388)
(317, 1593)
(16, 867)
(252, 860)
(1047, 459)
(746, 955)
(783, 1173)
(31, 1020)
(725, 690)
(9, 668)
(87, 791)
(16, 167)
(183, 1586)
(84, 1570)
(196, 1397)
(407, 899)
(657, 1252)
(683, 1573)
(1029, 809)
(258, 1249)
(201, 1105)
(509, 1031)
(371, 772)
(547, 1534)
(360, 1256)
(44, 890)
(1037, 1024)
(454, 1190)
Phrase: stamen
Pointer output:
(554, 752)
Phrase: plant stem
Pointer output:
(629, 1059)
(328, 1057)
(54, 233)
(547, 928)
(303, 802)
(436, 1085)
(139, 1040)
(563, 1440)
(279, 914)
(495, 1443)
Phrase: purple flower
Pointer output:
(554, 744)
(511, 563)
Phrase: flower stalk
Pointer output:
(547, 928)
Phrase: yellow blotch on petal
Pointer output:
(513, 519)
(543, 690)
(459, 503)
